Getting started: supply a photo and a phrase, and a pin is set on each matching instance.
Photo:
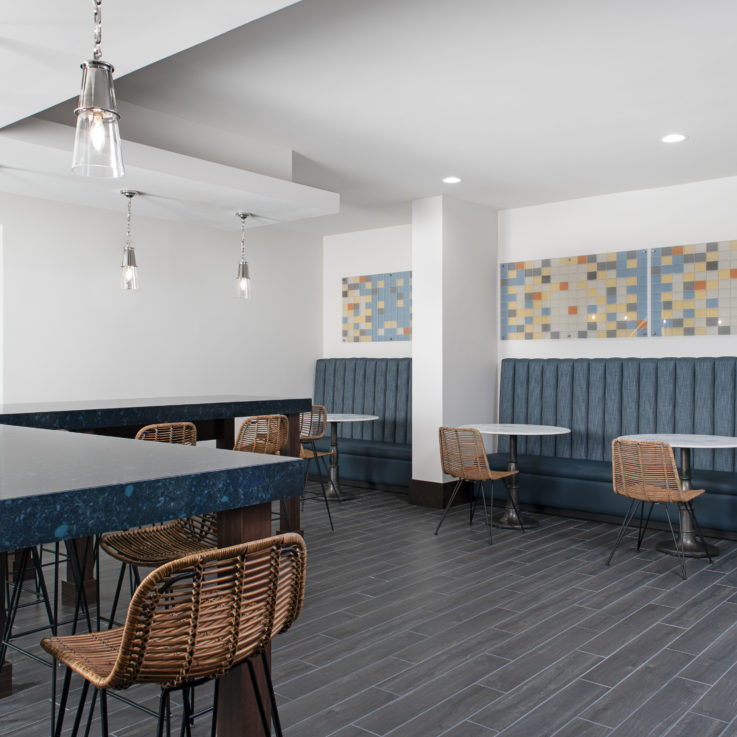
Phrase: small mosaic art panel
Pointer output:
(598, 296)
(694, 289)
(377, 307)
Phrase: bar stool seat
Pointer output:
(189, 621)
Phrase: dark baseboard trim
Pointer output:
(434, 494)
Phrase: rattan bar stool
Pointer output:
(463, 456)
(154, 545)
(190, 621)
(312, 426)
(262, 434)
(645, 471)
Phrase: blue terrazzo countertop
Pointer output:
(58, 485)
(81, 415)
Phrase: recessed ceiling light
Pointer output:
(674, 138)
(452, 180)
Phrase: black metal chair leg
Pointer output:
(677, 543)
(163, 698)
(622, 529)
(80, 708)
(116, 597)
(487, 516)
(91, 713)
(215, 698)
(41, 584)
(103, 713)
(13, 602)
(259, 700)
(324, 492)
(56, 729)
(449, 504)
(643, 530)
(272, 696)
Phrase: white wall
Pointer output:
(644, 219)
(71, 332)
(378, 251)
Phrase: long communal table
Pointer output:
(70, 485)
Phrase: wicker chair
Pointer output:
(263, 434)
(645, 471)
(189, 621)
(154, 545)
(463, 456)
(312, 426)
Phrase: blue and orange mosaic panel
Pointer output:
(694, 289)
(598, 296)
(377, 307)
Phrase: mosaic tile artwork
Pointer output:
(598, 296)
(694, 289)
(377, 307)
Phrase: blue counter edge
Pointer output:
(56, 517)
(87, 419)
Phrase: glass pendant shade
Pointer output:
(244, 280)
(129, 270)
(97, 148)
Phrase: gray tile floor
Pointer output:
(407, 634)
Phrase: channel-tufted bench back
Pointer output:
(368, 386)
(601, 398)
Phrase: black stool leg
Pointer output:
(324, 493)
(272, 696)
(259, 700)
(62, 702)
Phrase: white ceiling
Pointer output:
(530, 101)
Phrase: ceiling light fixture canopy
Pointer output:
(244, 273)
(129, 274)
(97, 148)
(452, 180)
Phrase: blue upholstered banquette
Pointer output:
(600, 399)
(378, 452)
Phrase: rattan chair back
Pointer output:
(197, 617)
(312, 424)
(181, 433)
(646, 470)
(263, 434)
(462, 454)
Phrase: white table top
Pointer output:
(351, 418)
(684, 440)
(518, 429)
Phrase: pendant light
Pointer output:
(244, 275)
(97, 149)
(129, 273)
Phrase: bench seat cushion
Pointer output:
(369, 448)
(575, 484)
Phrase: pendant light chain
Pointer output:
(97, 53)
(128, 222)
(243, 237)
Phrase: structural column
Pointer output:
(455, 318)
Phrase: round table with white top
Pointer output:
(685, 441)
(508, 518)
(334, 419)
